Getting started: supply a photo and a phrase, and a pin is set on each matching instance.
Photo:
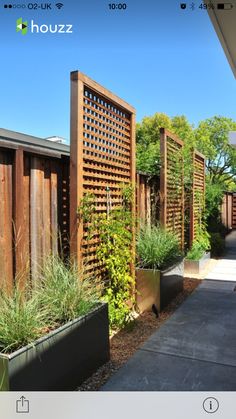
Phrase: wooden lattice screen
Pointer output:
(102, 157)
(198, 193)
(172, 184)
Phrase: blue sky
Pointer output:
(156, 56)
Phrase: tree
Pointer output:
(148, 139)
(212, 140)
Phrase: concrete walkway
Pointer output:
(195, 350)
(225, 268)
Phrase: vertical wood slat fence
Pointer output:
(147, 198)
(34, 209)
(102, 158)
(234, 211)
(228, 210)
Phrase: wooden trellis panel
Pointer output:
(198, 193)
(102, 157)
(172, 184)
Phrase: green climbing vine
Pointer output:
(114, 251)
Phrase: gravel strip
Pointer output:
(126, 342)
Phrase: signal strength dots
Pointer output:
(59, 5)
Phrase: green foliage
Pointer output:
(201, 243)
(202, 236)
(196, 252)
(148, 142)
(114, 252)
(212, 140)
(21, 319)
(59, 297)
(63, 292)
(148, 158)
(157, 248)
(127, 194)
(114, 231)
(86, 208)
(217, 244)
(214, 197)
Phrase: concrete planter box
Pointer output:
(61, 360)
(158, 287)
(196, 266)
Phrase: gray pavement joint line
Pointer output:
(186, 357)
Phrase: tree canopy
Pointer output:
(210, 137)
(212, 140)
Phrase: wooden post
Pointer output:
(163, 188)
(76, 166)
(21, 269)
(191, 203)
(182, 201)
(133, 183)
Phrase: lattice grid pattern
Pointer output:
(198, 193)
(107, 158)
(172, 184)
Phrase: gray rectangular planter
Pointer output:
(147, 289)
(171, 283)
(196, 266)
(158, 287)
(61, 360)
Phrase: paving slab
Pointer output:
(150, 371)
(194, 350)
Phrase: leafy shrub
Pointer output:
(157, 248)
(203, 237)
(196, 252)
(217, 244)
(200, 245)
(216, 226)
(114, 251)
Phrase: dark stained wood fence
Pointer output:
(6, 211)
(172, 184)
(197, 201)
(102, 158)
(234, 211)
(228, 210)
(34, 208)
(148, 199)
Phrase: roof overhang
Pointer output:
(224, 22)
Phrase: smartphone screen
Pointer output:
(117, 209)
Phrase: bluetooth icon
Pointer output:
(192, 6)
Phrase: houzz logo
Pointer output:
(22, 26)
(35, 28)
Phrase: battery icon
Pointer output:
(225, 6)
